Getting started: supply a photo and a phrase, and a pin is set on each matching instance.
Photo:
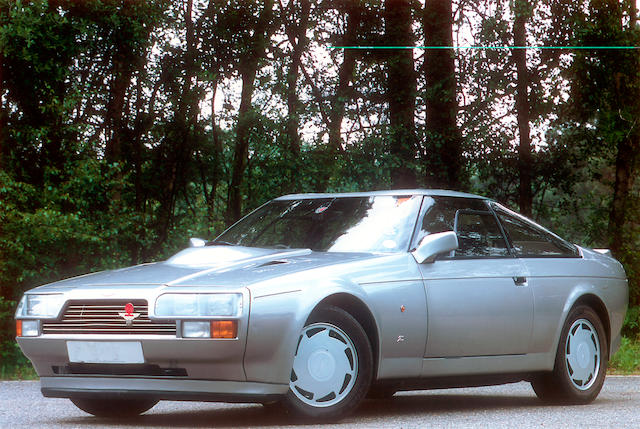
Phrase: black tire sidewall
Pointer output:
(350, 326)
(569, 392)
(114, 407)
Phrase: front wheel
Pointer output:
(114, 407)
(581, 361)
(332, 366)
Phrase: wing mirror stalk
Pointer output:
(435, 244)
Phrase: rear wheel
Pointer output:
(114, 407)
(332, 367)
(581, 361)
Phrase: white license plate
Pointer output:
(105, 351)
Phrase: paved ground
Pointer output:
(513, 405)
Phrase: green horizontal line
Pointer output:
(484, 47)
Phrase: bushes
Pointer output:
(13, 364)
(627, 358)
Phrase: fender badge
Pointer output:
(129, 315)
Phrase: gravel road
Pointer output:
(512, 406)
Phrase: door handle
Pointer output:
(520, 280)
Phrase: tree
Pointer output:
(513, 96)
(522, 11)
(444, 166)
(297, 35)
(256, 42)
(606, 103)
(401, 92)
(38, 47)
(215, 30)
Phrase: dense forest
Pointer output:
(128, 126)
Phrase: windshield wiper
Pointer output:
(219, 242)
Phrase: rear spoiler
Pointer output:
(606, 252)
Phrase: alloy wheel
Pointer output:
(325, 366)
(582, 354)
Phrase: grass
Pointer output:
(627, 358)
(17, 372)
(13, 364)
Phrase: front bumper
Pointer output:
(160, 389)
(192, 358)
(174, 369)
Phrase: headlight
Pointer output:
(199, 305)
(40, 306)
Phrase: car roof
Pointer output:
(428, 192)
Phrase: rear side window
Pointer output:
(531, 240)
(478, 232)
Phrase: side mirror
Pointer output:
(434, 244)
(197, 242)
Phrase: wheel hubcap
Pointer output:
(325, 365)
(321, 365)
(582, 354)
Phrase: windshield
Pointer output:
(346, 224)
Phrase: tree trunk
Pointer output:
(189, 98)
(122, 72)
(179, 146)
(401, 92)
(216, 169)
(241, 150)
(633, 13)
(625, 88)
(248, 68)
(298, 39)
(621, 194)
(297, 35)
(342, 94)
(345, 75)
(444, 166)
(3, 119)
(521, 11)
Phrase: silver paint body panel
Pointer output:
(451, 317)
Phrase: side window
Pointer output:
(478, 232)
(531, 240)
(479, 235)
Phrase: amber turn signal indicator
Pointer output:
(224, 329)
(18, 328)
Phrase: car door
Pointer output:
(555, 268)
(479, 302)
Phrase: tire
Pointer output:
(332, 367)
(581, 361)
(114, 407)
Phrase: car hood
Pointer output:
(224, 266)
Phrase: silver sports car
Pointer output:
(316, 301)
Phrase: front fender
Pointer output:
(276, 320)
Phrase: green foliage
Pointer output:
(604, 108)
(13, 364)
(78, 77)
(39, 222)
(631, 327)
(627, 358)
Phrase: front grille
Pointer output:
(102, 317)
